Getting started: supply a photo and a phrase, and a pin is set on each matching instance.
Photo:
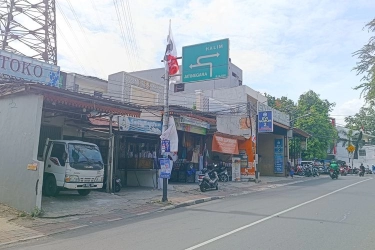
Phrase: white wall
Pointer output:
(20, 119)
(86, 84)
(121, 86)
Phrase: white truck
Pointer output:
(72, 165)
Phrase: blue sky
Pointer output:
(284, 47)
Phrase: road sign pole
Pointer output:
(165, 126)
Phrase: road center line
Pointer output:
(271, 216)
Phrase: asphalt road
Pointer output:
(319, 214)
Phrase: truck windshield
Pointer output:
(85, 157)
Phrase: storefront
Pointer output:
(137, 148)
(236, 153)
(192, 140)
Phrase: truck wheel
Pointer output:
(84, 192)
(50, 187)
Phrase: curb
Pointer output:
(265, 186)
(21, 240)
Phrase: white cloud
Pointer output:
(347, 108)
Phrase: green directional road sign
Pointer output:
(205, 61)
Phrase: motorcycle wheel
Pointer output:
(224, 178)
(202, 188)
(217, 186)
(117, 188)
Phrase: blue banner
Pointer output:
(139, 125)
(279, 156)
(165, 168)
(265, 122)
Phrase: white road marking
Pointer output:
(115, 219)
(271, 216)
(73, 228)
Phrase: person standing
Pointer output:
(288, 169)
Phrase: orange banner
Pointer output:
(249, 147)
(225, 145)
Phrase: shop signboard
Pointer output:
(165, 168)
(139, 125)
(265, 122)
(279, 156)
(195, 122)
(225, 145)
(190, 128)
(17, 67)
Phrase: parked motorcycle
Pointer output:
(308, 171)
(222, 173)
(315, 171)
(299, 171)
(333, 174)
(117, 182)
(208, 179)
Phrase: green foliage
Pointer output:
(365, 117)
(310, 114)
(318, 124)
(366, 66)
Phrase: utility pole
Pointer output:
(165, 126)
(256, 147)
(109, 157)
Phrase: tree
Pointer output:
(366, 66)
(282, 104)
(318, 124)
(310, 114)
(364, 118)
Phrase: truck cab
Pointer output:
(72, 165)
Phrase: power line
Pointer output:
(71, 29)
(80, 26)
(119, 19)
(71, 49)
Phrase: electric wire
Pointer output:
(119, 19)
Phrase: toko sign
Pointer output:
(16, 67)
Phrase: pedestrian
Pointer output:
(288, 169)
(291, 173)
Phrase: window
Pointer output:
(362, 152)
(58, 152)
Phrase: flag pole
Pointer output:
(166, 116)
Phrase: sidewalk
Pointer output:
(70, 211)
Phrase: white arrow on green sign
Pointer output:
(205, 61)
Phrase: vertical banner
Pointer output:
(265, 121)
(279, 156)
(165, 146)
(236, 169)
(165, 168)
